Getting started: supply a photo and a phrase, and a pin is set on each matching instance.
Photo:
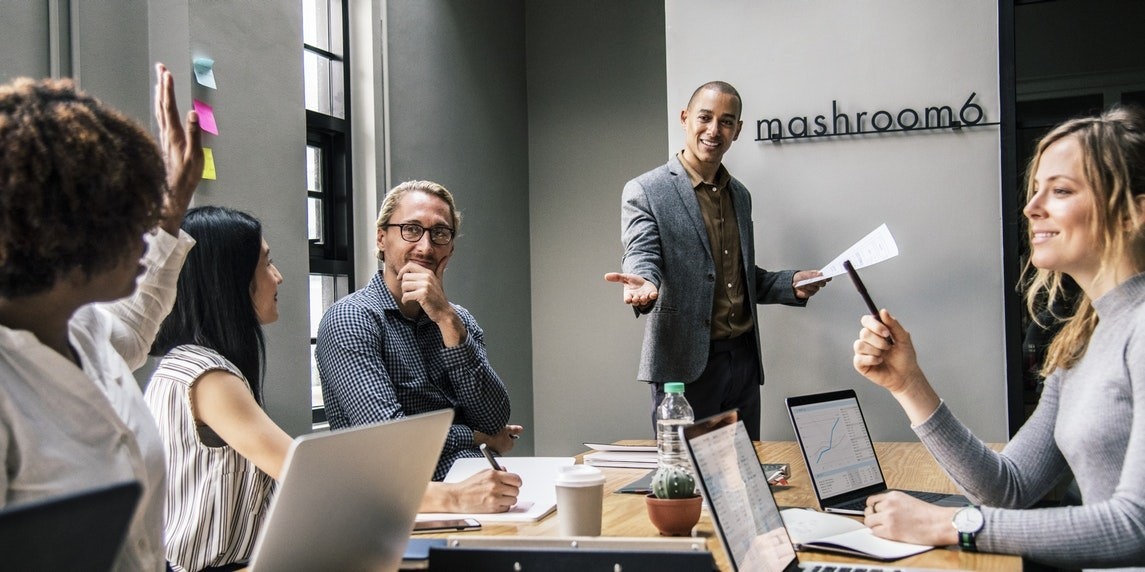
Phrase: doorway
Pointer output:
(1068, 58)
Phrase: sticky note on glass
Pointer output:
(205, 72)
(208, 164)
(206, 117)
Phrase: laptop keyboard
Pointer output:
(860, 504)
(926, 496)
(857, 505)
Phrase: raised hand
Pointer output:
(894, 366)
(182, 150)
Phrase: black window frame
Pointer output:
(334, 255)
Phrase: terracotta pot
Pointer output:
(674, 517)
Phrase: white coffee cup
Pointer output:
(580, 496)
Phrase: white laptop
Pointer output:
(347, 499)
(840, 457)
(744, 512)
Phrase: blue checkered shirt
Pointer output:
(375, 364)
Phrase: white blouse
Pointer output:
(63, 429)
(216, 498)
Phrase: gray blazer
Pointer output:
(665, 241)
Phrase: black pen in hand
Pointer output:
(866, 297)
(489, 455)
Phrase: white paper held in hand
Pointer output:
(876, 247)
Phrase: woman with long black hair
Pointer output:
(223, 450)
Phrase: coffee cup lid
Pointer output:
(579, 476)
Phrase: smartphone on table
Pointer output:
(446, 525)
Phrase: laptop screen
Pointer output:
(836, 445)
(744, 512)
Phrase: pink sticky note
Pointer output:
(206, 117)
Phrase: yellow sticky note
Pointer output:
(208, 164)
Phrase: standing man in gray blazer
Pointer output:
(689, 263)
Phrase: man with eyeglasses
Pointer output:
(398, 347)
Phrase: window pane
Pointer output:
(316, 400)
(317, 308)
(316, 23)
(324, 85)
(314, 169)
(314, 224)
(317, 82)
(325, 289)
(335, 28)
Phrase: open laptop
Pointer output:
(840, 457)
(84, 529)
(347, 499)
(743, 509)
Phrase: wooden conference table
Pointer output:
(905, 465)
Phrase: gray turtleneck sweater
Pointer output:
(1091, 420)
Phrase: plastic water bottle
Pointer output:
(673, 412)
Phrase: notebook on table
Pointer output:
(537, 497)
(840, 456)
(746, 518)
(347, 499)
(81, 529)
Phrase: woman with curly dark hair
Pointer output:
(81, 188)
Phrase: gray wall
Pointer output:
(456, 93)
(596, 119)
(103, 47)
(939, 192)
(24, 35)
(260, 160)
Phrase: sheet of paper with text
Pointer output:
(876, 247)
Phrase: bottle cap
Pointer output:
(674, 387)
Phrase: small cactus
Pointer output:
(673, 482)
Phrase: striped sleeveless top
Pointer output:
(216, 498)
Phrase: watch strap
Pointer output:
(966, 541)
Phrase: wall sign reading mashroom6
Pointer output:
(927, 118)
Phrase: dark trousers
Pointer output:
(729, 381)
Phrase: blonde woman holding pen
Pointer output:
(1086, 209)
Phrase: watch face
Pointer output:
(968, 519)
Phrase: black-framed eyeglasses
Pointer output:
(411, 232)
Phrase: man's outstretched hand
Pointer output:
(637, 291)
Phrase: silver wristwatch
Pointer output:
(968, 522)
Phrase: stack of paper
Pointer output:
(623, 456)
